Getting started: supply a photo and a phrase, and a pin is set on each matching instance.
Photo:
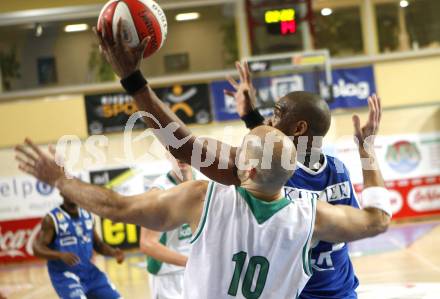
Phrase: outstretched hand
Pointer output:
(366, 135)
(123, 59)
(34, 161)
(244, 92)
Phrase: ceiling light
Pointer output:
(404, 3)
(76, 27)
(187, 16)
(326, 11)
(38, 30)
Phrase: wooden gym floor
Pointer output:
(404, 263)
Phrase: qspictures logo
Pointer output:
(403, 156)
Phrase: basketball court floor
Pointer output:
(403, 263)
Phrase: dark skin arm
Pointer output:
(44, 239)
(343, 223)
(100, 247)
(125, 61)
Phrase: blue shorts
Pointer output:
(95, 286)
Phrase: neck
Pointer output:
(311, 157)
(267, 196)
(71, 210)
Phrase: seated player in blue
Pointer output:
(67, 240)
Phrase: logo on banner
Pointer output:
(403, 156)
(17, 243)
(43, 189)
(396, 201)
(424, 198)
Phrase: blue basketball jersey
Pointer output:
(73, 235)
(333, 276)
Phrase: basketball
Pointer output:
(140, 18)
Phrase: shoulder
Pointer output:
(336, 165)
(48, 222)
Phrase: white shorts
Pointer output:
(167, 286)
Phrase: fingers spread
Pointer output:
(143, 46)
(357, 125)
(240, 70)
(232, 82)
(22, 150)
(35, 148)
(27, 169)
(247, 72)
(229, 93)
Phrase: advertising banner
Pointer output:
(16, 238)
(410, 165)
(191, 103)
(107, 113)
(351, 88)
(23, 197)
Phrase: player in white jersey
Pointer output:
(168, 251)
(249, 241)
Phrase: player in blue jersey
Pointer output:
(300, 115)
(67, 240)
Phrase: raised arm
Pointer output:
(167, 127)
(44, 239)
(157, 209)
(150, 245)
(366, 136)
(245, 96)
(343, 223)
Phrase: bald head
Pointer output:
(266, 159)
(304, 106)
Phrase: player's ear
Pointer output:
(252, 173)
(301, 128)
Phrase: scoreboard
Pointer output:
(281, 22)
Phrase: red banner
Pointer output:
(16, 239)
(414, 197)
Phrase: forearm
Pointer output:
(104, 249)
(101, 201)
(160, 117)
(163, 254)
(44, 252)
(194, 150)
(365, 223)
(370, 169)
(342, 223)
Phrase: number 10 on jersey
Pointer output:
(247, 289)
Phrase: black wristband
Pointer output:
(134, 82)
(253, 119)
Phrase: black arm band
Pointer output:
(253, 119)
(134, 82)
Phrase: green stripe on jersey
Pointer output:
(153, 265)
(306, 254)
(262, 210)
(205, 213)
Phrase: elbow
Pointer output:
(147, 246)
(381, 223)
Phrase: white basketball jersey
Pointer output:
(248, 248)
(177, 240)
